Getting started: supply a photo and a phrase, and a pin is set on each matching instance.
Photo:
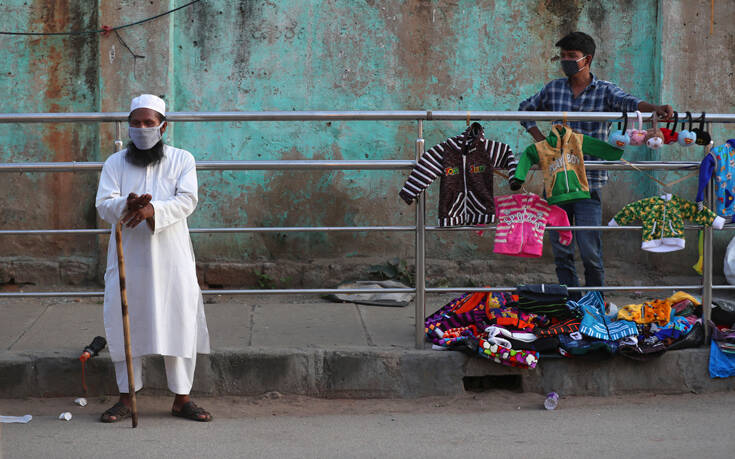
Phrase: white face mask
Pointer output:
(145, 138)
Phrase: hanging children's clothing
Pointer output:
(561, 159)
(521, 221)
(465, 164)
(720, 162)
(663, 220)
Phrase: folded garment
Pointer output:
(543, 293)
(494, 330)
(677, 327)
(510, 317)
(545, 299)
(680, 296)
(721, 365)
(548, 345)
(694, 338)
(504, 355)
(566, 327)
(588, 347)
(656, 311)
(722, 334)
(596, 324)
(646, 349)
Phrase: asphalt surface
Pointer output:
(489, 424)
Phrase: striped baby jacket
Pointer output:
(466, 164)
(521, 222)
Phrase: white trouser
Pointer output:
(179, 374)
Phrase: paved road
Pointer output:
(492, 424)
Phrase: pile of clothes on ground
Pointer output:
(517, 328)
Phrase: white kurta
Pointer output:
(164, 300)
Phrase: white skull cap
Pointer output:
(149, 101)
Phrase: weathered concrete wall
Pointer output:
(56, 74)
(704, 79)
(306, 55)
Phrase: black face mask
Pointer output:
(570, 67)
(144, 158)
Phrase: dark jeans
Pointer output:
(587, 212)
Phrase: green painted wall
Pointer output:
(358, 55)
(223, 55)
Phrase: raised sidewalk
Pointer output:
(306, 345)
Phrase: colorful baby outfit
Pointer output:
(561, 159)
(656, 311)
(466, 164)
(720, 162)
(521, 221)
(663, 220)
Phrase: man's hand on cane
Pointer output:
(139, 208)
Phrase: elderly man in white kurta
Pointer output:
(152, 187)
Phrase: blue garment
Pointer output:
(720, 162)
(677, 327)
(596, 324)
(587, 212)
(599, 96)
(721, 365)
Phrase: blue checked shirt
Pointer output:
(599, 96)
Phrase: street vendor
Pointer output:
(152, 188)
(581, 91)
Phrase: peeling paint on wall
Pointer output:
(313, 55)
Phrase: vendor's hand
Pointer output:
(133, 218)
(665, 112)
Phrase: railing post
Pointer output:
(420, 277)
(707, 261)
(118, 136)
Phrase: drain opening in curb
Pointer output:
(492, 382)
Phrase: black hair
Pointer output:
(577, 41)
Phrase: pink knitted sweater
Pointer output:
(521, 220)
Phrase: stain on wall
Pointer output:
(54, 74)
(307, 55)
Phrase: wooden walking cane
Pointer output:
(126, 322)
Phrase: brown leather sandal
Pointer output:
(190, 410)
(116, 413)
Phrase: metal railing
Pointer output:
(420, 226)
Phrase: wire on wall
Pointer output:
(105, 29)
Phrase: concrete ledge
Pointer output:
(364, 372)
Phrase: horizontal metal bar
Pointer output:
(312, 291)
(723, 287)
(643, 165)
(271, 229)
(554, 116)
(70, 232)
(301, 229)
(687, 227)
(353, 115)
(309, 164)
(571, 289)
(321, 291)
(317, 229)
